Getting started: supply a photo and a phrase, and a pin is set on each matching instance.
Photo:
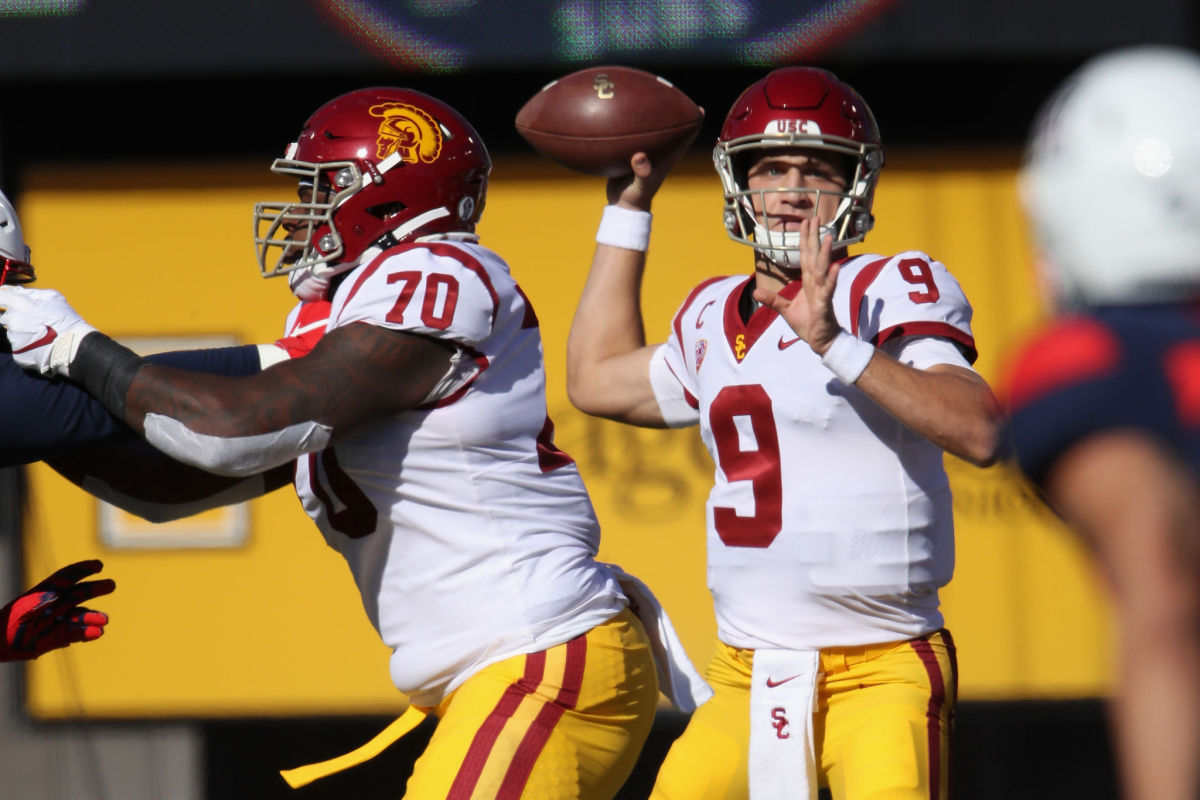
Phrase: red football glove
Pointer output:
(46, 617)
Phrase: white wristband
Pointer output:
(848, 357)
(625, 228)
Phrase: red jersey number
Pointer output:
(918, 272)
(349, 510)
(759, 466)
(434, 315)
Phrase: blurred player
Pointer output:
(1106, 403)
(423, 452)
(49, 616)
(826, 387)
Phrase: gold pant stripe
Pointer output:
(302, 776)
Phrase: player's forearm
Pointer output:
(950, 406)
(244, 426)
(607, 358)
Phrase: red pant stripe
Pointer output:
(953, 653)
(489, 731)
(543, 725)
(937, 696)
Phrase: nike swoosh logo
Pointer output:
(700, 316)
(50, 336)
(785, 345)
(772, 684)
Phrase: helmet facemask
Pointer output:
(15, 273)
(306, 233)
(851, 221)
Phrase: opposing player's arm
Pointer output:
(137, 478)
(608, 362)
(1137, 503)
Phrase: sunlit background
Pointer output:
(135, 137)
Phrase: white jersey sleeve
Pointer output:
(433, 290)
(673, 380)
(678, 404)
(910, 294)
(924, 352)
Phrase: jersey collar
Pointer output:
(742, 336)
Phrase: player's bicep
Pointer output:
(359, 373)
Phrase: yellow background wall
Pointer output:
(276, 626)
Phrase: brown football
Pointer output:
(594, 120)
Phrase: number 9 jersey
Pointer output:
(829, 524)
(470, 535)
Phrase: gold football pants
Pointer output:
(568, 722)
(882, 725)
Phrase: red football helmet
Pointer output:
(383, 166)
(798, 107)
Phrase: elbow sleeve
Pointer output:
(235, 456)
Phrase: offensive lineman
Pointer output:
(826, 387)
(424, 453)
(1105, 407)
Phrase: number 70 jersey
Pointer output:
(829, 522)
(469, 534)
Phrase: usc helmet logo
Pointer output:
(407, 130)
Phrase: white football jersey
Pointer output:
(470, 536)
(829, 523)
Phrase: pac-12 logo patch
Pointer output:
(407, 130)
(701, 352)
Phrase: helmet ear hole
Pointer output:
(386, 211)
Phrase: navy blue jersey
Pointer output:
(1118, 368)
(42, 418)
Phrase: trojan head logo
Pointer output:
(407, 130)
(739, 347)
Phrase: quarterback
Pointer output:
(1105, 409)
(417, 424)
(826, 387)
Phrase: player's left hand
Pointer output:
(42, 328)
(811, 313)
(48, 616)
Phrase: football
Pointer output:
(594, 120)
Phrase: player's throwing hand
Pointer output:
(636, 190)
(811, 313)
(48, 616)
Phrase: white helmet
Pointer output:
(1111, 180)
(14, 254)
